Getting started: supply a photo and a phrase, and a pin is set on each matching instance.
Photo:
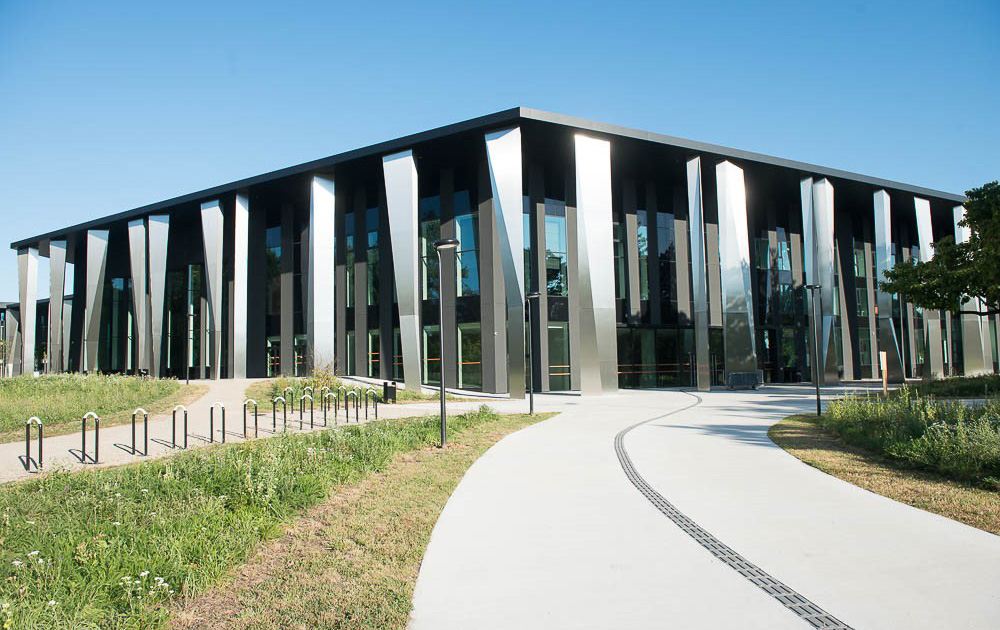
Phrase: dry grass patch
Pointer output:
(800, 436)
(352, 561)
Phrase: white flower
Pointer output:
(40, 561)
(152, 513)
(30, 522)
(18, 563)
(145, 490)
(118, 495)
(33, 553)
(52, 602)
(117, 523)
(144, 574)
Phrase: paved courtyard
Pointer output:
(547, 530)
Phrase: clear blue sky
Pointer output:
(105, 106)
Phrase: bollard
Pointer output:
(145, 431)
(326, 408)
(97, 437)
(274, 413)
(211, 422)
(173, 421)
(302, 404)
(32, 421)
(249, 401)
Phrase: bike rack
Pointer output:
(308, 390)
(347, 408)
(302, 404)
(325, 404)
(211, 422)
(323, 393)
(145, 431)
(250, 401)
(373, 394)
(32, 421)
(288, 394)
(274, 413)
(342, 396)
(173, 431)
(97, 437)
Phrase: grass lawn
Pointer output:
(123, 547)
(62, 400)
(351, 561)
(970, 504)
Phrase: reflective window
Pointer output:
(430, 231)
(559, 371)
(467, 232)
(556, 257)
(372, 223)
(642, 239)
(432, 355)
(373, 353)
(470, 356)
(349, 258)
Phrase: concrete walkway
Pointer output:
(63, 451)
(546, 530)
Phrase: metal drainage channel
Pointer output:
(805, 609)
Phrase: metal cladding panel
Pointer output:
(320, 296)
(400, 173)
(888, 342)
(595, 267)
(27, 273)
(734, 256)
(824, 260)
(67, 319)
(159, 231)
(57, 290)
(503, 152)
(699, 273)
(137, 260)
(97, 261)
(932, 326)
(13, 356)
(241, 257)
(976, 352)
(211, 229)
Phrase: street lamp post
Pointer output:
(813, 288)
(534, 295)
(441, 245)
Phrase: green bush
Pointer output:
(945, 436)
(110, 548)
(983, 386)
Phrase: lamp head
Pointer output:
(446, 244)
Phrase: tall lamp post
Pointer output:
(442, 245)
(813, 288)
(534, 295)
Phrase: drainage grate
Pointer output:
(805, 609)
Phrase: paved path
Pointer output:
(547, 531)
(63, 451)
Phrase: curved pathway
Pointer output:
(550, 529)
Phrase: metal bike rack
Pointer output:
(302, 404)
(288, 394)
(342, 396)
(308, 389)
(323, 393)
(347, 407)
(274, 413)
(97, 438)
(173, 422)
(250, 401)
(373, 395)
(145, 431)
(32, 421)
(211, 422)
(325, 403)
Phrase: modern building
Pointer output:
(657, 262)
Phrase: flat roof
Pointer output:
(506, 116)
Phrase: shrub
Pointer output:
(945, 436)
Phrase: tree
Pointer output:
(962, 277)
